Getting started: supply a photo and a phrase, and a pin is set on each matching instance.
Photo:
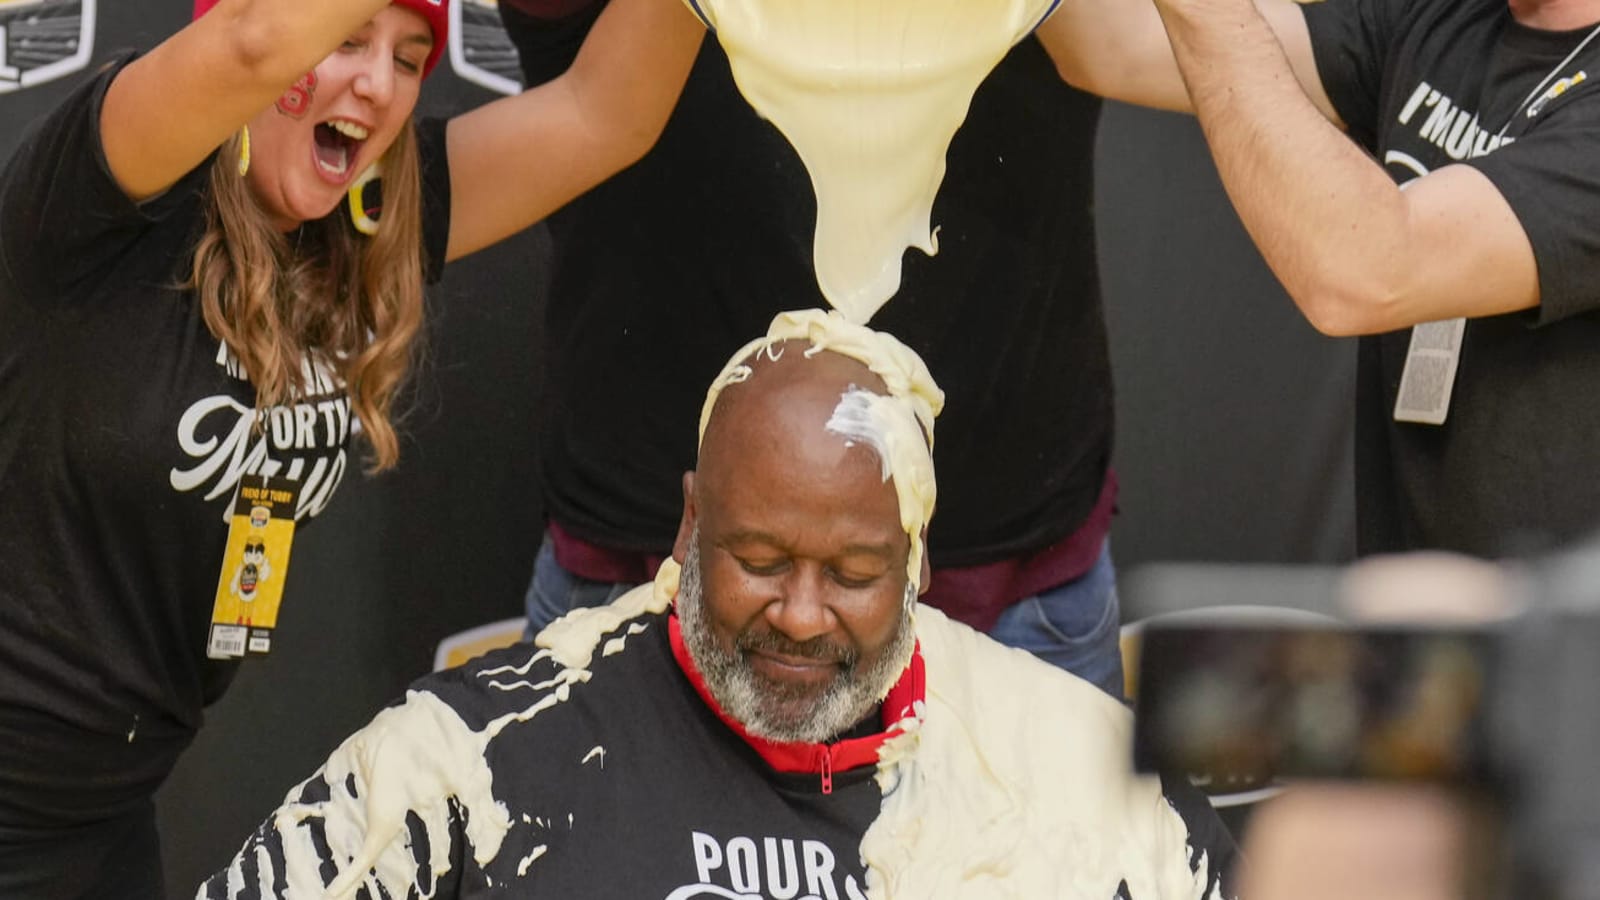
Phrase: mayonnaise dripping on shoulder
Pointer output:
(870, 95)
(1015, 781)
(415, 758)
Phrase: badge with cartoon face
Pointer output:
(250, 588)
(254, 568)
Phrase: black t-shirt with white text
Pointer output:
(623, 783)
(125, 426)
(1427, 83)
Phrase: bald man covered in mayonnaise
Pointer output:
(776, 716)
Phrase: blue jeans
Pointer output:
(555, 592)
(1076, 626)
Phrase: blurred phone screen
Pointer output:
(1236, 706)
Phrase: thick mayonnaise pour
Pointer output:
(870, 95)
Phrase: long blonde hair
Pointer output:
(325, 294)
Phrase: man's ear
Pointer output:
(680, 545)
(925, 577)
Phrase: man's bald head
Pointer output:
(784, 406)
(887, 401)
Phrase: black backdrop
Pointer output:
(1234, 444)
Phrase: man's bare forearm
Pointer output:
(1328, 220)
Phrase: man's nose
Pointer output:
(802, 610)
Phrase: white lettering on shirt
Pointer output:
(290, 437)
(1449, 127)
(768, 868)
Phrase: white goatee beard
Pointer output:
(759, 704)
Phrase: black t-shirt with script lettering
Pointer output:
(124, 427)
(1423, 84)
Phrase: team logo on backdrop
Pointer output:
(480, 51)
(42, 40)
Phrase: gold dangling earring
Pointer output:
(244, 150)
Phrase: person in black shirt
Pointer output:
(187, 299)
(662, 272)
(775, 716)
(1425, 174)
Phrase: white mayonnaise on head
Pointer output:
(902, 419)
(870, 95)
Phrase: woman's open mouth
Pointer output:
(337, 143)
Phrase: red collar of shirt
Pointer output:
(803, 757)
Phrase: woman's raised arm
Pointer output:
(171, 107)
(515, 160)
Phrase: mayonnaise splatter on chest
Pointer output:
(870, 95)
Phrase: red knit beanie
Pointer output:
(437, 12)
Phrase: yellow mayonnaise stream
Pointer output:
(870, 95)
